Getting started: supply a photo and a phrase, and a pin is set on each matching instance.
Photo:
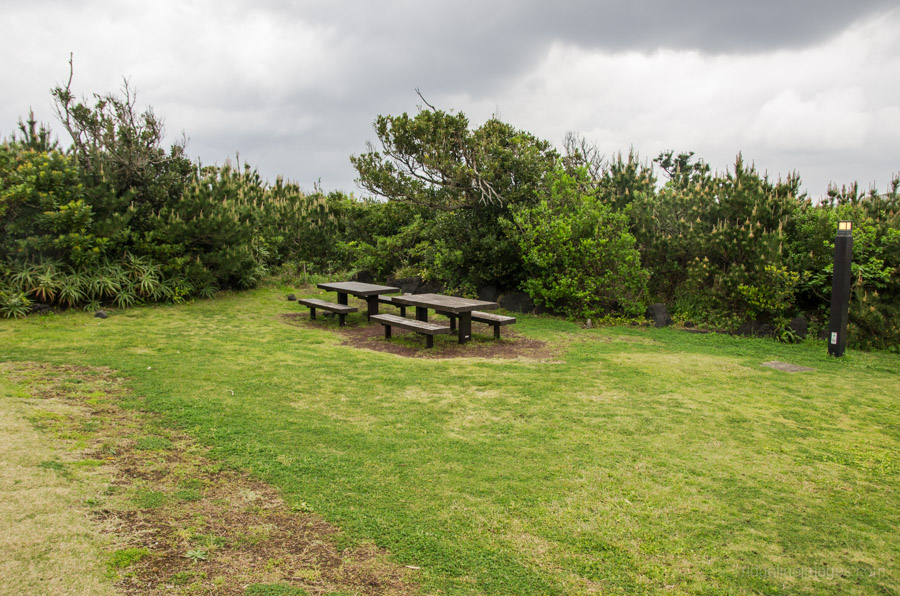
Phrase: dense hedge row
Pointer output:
(115, 219)
(594, 237)
(718, 248)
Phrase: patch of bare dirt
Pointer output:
(207, 529)
(370, 336)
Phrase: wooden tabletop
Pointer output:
(451, 304)
(357, 288)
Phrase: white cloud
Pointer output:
(294, 86)
(829, 111)
(831, 120)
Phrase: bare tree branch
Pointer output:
(425, 101)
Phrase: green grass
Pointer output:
(633, 460)
(124, 558)
(153, 443)
(148, 498)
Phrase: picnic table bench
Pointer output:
(459, 307)
(390, 300)
(371, 293)
(341, 310)
(491, 319)
(429, 330)
(494, 320)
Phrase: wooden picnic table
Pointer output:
(461, 307)
(361, 290)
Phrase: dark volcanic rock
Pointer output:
(517, 302)
(407, 285)
(416, 285)
(291, 297)
(100, 314)
(765, 330)
(755, 328)
(800, 326)
(431, 287)
(363, 277)
(659, 314)
(40, 307)
(489, 293)
(747, 328)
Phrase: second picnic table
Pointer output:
(461, 307)
(369, 292)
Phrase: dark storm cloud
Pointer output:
(511, 29)
(708, 27)
(387, 49)
(294, 86)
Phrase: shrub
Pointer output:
(771, 297)
(581, 258)
(14, 304)
(710, 235)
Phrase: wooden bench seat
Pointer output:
(341, 310)
(429, 330)
(484, 317)
(383, 299)
(492, 319)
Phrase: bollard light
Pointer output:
(840, 289)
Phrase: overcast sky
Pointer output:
(294, 86)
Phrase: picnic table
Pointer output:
(461, 307)
(369, 292)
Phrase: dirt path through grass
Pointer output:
(48, 545)
(103, 500)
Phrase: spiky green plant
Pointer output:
(46, 282)
(14, 305)
(126, 297)
(106, 282)
(26, 277)
(72, 288)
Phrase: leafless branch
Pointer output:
(425, 101)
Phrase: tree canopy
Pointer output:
(434, 159)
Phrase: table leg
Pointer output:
(421, 313)
(465, 327)
(342, 298)
(372, 308)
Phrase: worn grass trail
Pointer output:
(47, 545)
(631, 461)
(167, 520)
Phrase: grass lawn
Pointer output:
(629, 460)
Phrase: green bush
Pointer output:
(580, 256)
(875, 268)
(713, 236)
(467, 180)
(43, 212)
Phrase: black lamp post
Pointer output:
(840, 289)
